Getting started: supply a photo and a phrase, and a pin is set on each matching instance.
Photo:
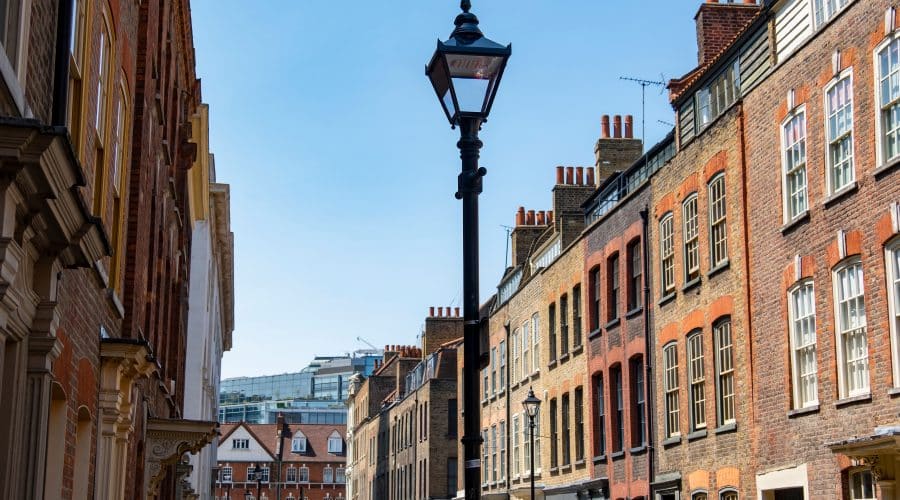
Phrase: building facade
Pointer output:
(404, 435)
(821, 163)
(281, 461)
(96, 113)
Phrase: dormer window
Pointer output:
(335, 443)
(298, 444)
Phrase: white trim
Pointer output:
(892, 261)
(838, 78)
(795, 368)
(787, 216)
(880, 160)
(844, 390)
(791, 477)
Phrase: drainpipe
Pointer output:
(648, 346)
(61, 63)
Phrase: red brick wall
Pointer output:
(786, 438)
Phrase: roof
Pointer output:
(316, 440)
(678, 87)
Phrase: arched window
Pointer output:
(728, 494)
(667, 254)
(802, 326)
(724, 353)
(691, 233)
(718, 230)
(850, 329)
(670, 371)
(697, 380)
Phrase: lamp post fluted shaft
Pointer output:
(470, 185)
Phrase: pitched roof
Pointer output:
(316, 441)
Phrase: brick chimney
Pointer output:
(441, 329)
(618, 152)
(567, 199)
(527, 230)
(718, 23)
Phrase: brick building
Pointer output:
(821, 164)
(617, 314)
(403, 418)
(287, 461)
(95, 110)
(702, 354)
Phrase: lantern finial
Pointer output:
(465, 5)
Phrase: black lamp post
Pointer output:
(465, 72)
(531, 404)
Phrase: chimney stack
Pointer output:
(431, 312)
(604, 127)
(629, 132)
(529, 219)
(579, 176)
(590, 176)
(520, 217)
(570, 172)
(549, 217)
(617, 127)
(718, 24)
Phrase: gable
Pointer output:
(255, 451)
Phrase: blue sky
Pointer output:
(343, 168)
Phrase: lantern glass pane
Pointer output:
(441, 82)
(473, 79)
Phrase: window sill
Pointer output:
(554, 470)
(795, 222)
(634, 312)
(690, 284)
(667, 298)
(577, 350)
(552, 364)
(862, 398)
(637, 450)
(536, 374)
(722, 266)
(725, 429)
(563, 358)
(579, 463)
(514, 386)
(807, 410)
(878, 172)
(616, 455)
(565, 468)
(599, 460)
(672, 441)
(840, 194)
(596, 333)
(612, 323)
(894, 392)
(696, 435)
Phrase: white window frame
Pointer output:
(831, 9)
(880, 154)
(493, 371)
(526, 350)
(892, 268)
(288, 474)
(830, 185)
(671, 387)
(502, 375)
(799, 166)
(802, 316)
(535, 342)
(842, 335)
(340, 475)
(335, 444)
(303, 474)
(725, 373)
(514, 345)
(666, 254)
(14, 71)
(696, 380)
(227, 474)
(240, 444)
(298, 444)
(264, 473)
(728, 494)
(516, 464)
(700, 495)
(860, 474)
(690, 225)
(327, 475)
(502, 437)
(718, 221)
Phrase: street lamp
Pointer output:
(465, 72)
(531, 404)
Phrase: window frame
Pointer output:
(340, 444)
(514, 346)
(788, 214)
(667, 253)
(725, 401)
(718, 225)
(690, 241)
(617, 406)
(563, 324)
(826, 17)
(526, 350)
(554, 435)
(227, 474)
(502, 369)
(728, 491)
(796, 292)
(613, 286)
(860, 472)
(536, 342)
(696, 380)
(843, 361)
(579, 423)
(892, 272)
(635, 271)
(551, 325)
(671, 387)
(301, 439)
(600, 416)
(566, 421)
(638, 400)
(830, 188)
(576, 316)
(881, 158)
(594, 291)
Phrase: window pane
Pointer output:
(839, 111)
(794, 160)
(691, 239)
(852, 328)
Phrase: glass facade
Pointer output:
(314, 395)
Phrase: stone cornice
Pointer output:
(168, 440)
(223, 249)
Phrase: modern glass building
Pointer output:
(314, 395)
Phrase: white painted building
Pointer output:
(211, 298)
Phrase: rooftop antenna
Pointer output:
(666, 123)
(506, 255)
(364, 341)
(644, 84)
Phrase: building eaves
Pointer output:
(679, 88)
